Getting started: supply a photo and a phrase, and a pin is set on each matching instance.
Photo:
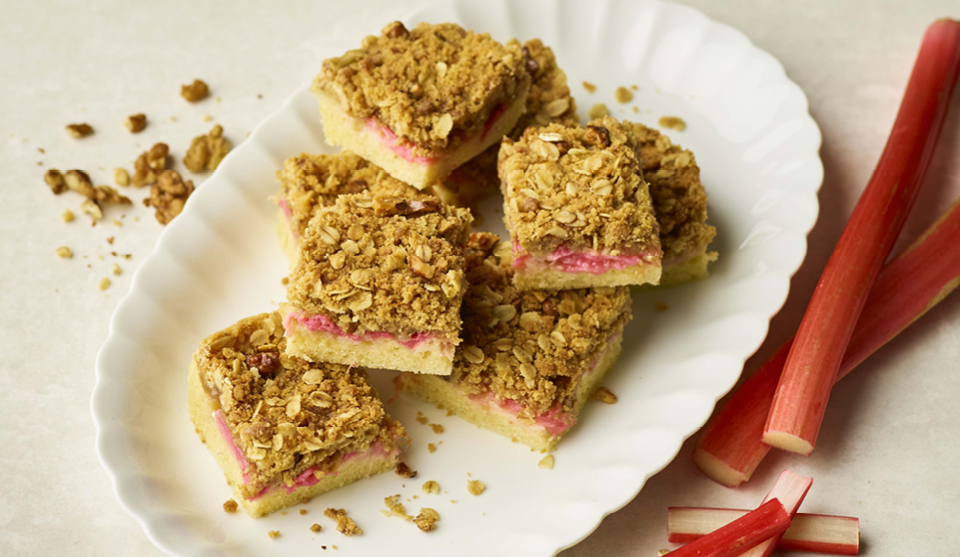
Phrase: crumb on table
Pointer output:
(437, 428)
(274, 534)
(427, 519)
(546, 462)
(80, 130)
(404, 471)
(345, 524)
(598, 110)
(230, 506)
(196, 91)
(672, 122)
(316, 528)
(623, 95)
(136, 123)
(68, 216)
(604, 395)
(590, 87)
(431, 487)
(64, 252)
(104, 284)
(475, 487)
(431, 447)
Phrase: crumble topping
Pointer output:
(64, 252)
(395, 508)
(230, 506)
(672, 122)
(308, 181)
(427, 519)
(345, 524)
(195, 92)
(316, 528)
(168, 195)
(475, 487)
(533, 346)
(577, 187)
(288, 415)
(149, 165)
(431, 85)
(623, 95)
(431, 447)
(546, 462)
(604, 395)
(679, 199)
(404, 471)
(206, 151)
(136, 123)
(431, 487)
(384, 263)
(79, 130)
(274, 534)
(529, 346)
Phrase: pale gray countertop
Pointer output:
(889, 445)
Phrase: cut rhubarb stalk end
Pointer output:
(822, 339)
(731, 447)
(768, 520)
(790, 489)
(813, 533)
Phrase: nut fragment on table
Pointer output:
(136, 123)
(168, 195)
(206, 151)
(80, 130)
(149, 165)
(196, 91)
(427, 519)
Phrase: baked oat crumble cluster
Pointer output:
(581, 188)
(345, 524)
(384, 264)
(427, 519)
(426, 84)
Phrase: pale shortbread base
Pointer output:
(202, 406)
(552, 279)
(351, 133)
(289, 244)
(320, 346)
(687, 271)
(445, 395)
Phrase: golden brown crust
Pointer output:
(310, 181)
(430, 85)
(288, 415)
(580, 187)
(384, 264)
(549, 102)
(678, 196)
(533, 346)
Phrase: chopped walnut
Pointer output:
(54, 179)
(136, 123)
(64, 252)
(345, 524)
(274, 534)
(475, 487)
(316, 528)
(395, 508)
(68, 216)
(169, 195)
(605, 396)
(590, 87)
(623, 95)
(121, 177)
(104, 284)
(431, 487)
(546, 462)
(196, 91)
(90, 207)
(206, 151)
(230, 506)
(427, 519)
(149, 164)
(598, 110)
(80, 130)
(673, 123)
(404, 471)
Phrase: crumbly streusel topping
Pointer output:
(345, 524)
(549, 102)
(531, 346)
(288, 415)
(382, 263)
(679, 199)
(308, 181)
(428, 83)
(580, 187)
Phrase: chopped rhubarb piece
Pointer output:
(813, 533)
(768, 520)
(814, 359)
(790, 489)
(730, 447)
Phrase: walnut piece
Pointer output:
(206, 151)
(136, 123)
(80, 130)
(623, 95)
(196, 91)
(149, 165)
(427, 519)
(54, 179)
(169, 195)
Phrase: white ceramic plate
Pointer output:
(220, 261)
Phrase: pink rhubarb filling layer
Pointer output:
(404, 149)
(310, 476)
(321, 323)
(563, 259)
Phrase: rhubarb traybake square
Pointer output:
(680, 203)
(577, 208)
(311, 181)
(379, 284)
(421, 102)
(281, 428)
(529, 359)
(549, 102)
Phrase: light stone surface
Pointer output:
(890, 438)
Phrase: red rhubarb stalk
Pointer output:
(730, 447)
(813, 533)
(768, 520)
(790, 489)
(814, 359)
